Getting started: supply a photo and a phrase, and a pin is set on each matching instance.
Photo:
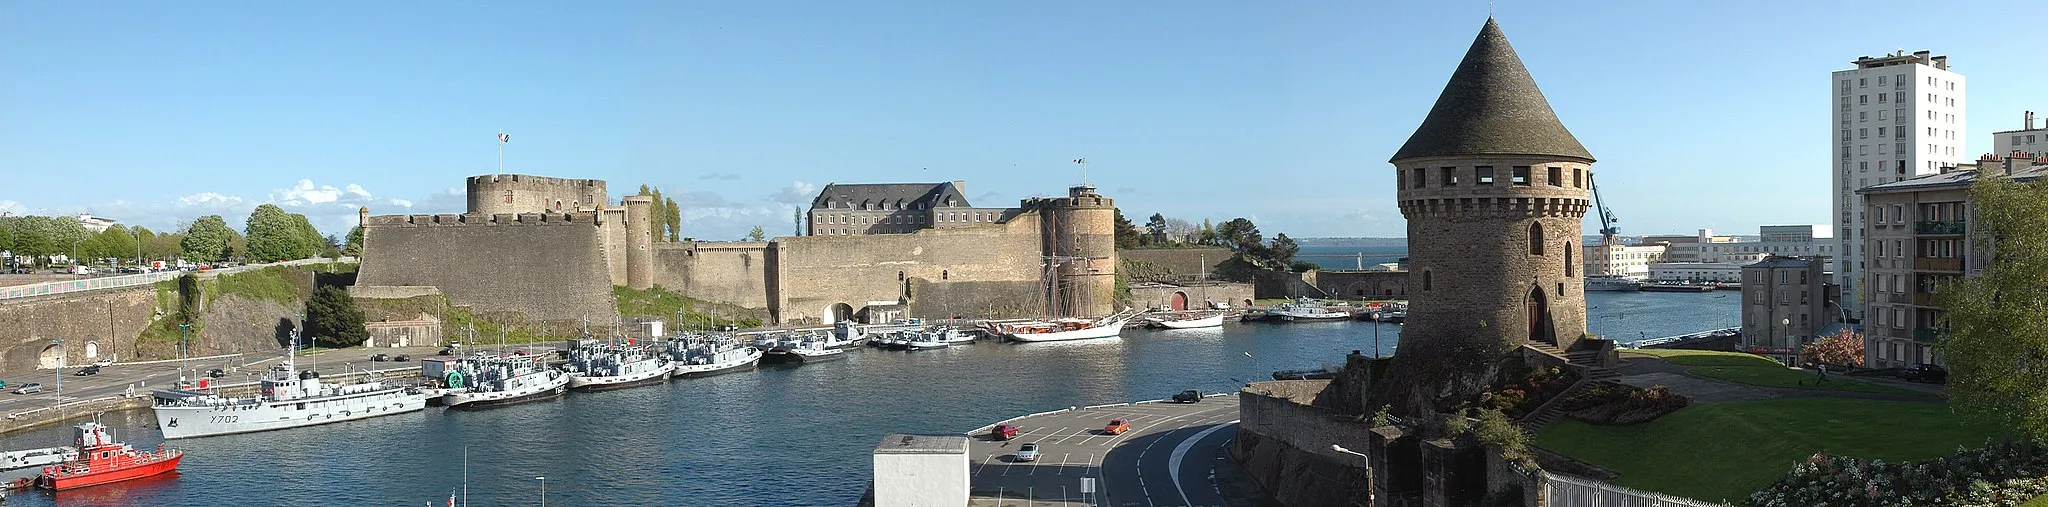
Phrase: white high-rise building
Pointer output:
(1895, 117)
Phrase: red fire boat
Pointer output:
(102, 460)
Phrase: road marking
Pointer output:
(984, 464)
(1181, 451)
(1062, 471)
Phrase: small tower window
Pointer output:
(1482, 175)
(1578, 178)
(1560, 288)
(1417, 177)
(1568, 259)
(1400, 178)
(1450, 176)
(1425, 279)
(1557, 176)
(1522, 175)
(1535, 239)
(899, 276)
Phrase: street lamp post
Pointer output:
(543, 490)
(60, 368)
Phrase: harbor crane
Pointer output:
(1607, 220)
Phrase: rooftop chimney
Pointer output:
(2030, 120)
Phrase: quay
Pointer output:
(1167, 458)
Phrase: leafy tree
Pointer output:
(207, 240)
(161, 246)
(674, 215)
(6, 233)
(1241, 236)
(1207, 234)
(1126, 233)
(271, 234)
(1302, 266)
(1156, 225)
(1178, 230)
(311, 242)
(1844, 348)
(333, 319)
(115, 242)
(332, 250)
(354, 245)
(1281, 250)
(1995, 342)
(757, 234)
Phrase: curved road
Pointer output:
(1166, 459)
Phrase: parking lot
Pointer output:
(1165, 458)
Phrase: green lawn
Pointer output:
(1725, 451)
(1761, 371)
(2039, 501)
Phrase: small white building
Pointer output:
(1699, 271)
(921, 471)
(1632, 261)
(2032, 140)
(96, 224)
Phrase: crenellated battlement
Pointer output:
(480, 219)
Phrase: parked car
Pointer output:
(380, 358)
(1028, 452)
(217, 373)
(1117, 426)
(1923, 372)
(1188, 396)
(88, 370)
(3, 384)
(401, 358)
(103, 362)
(29, 388)
(1003, 432)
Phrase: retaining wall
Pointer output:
(548, 267)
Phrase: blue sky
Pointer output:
(1703, 114)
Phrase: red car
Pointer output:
(1117, 426)
(1003, 432)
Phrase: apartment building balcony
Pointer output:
(1939, 227)
(1895, 298)
(1938, 265)
(1923, 299)
(1926, 336)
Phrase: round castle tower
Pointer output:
(493, 194)
(639, 241)
(1079, 232)
(1494, 189)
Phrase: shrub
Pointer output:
(1615, 404)
(2007, 473)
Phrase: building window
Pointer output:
(1425, 279)
(1450, 176)
(1418, 179)
(1862, 99)
(1521, 175)
(1535, 238)
(1567, 259)
(1557, 176)
(1560, 288)
(1400, 179)
(1577, 182)
(1482, 175)
(508, 197)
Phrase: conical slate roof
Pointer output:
(1491, 107)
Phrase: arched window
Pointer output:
(1425, 279)
(1568, 259)
(1535, 238)
(899, 276)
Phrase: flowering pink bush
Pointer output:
(2003, 474)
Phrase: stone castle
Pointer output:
(551, 250)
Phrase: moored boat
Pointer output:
(1065, 329)
(103, 460)
(1612, 283)
(499, 381)
(604, 367)
(801, 352)
(713, 356)
(1187, 322)
(289, 398)
(1305, 309)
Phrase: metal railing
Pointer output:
(1939, 227)
(1567, 491)
(116, 282)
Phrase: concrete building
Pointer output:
(921, 471)
(1494, 189)
(1785, 305)
(1895, 117)
(1701, 272)
(1918, 237)
(96, 224)
(896, 208)
(1783, 240)
(1632, 261)
(2030, 140)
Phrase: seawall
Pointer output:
(549, 267)
(1285, 445)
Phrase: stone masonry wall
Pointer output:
(1363, 284)
(550, 267)
(814, 273)
(532, 194)
(1285, 445)
(974, 300)
(1189, 262)
(735, 273)
(109, 321)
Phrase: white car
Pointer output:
(103, 363)
(29, 388)
(1028, 452)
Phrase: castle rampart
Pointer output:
(547, 266)
(520, 193)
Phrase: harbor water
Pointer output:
(778, 436)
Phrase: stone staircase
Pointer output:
(1588, 363)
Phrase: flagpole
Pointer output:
(501, 153)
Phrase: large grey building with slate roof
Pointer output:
(896, 208)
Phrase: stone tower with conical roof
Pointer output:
(1494, 189)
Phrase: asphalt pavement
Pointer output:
(1167, 458)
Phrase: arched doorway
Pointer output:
(92, 350)
(841, 312)
(1539, 317)
(1180, 301)
(52, 357)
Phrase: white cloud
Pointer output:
(12, 207)
(798, 192)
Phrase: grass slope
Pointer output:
(1725, 451)
(1761, 371)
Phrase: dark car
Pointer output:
(89, 370)
(217, 373)
(1923, 372)
(380, 358)
(401, 358)
(1188, 396)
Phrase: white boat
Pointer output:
(801, 352)
(289, 398)
(846, 334)
(1617, 283)
(1191, 322)
(1305, 309)
(715, 356)
(939, 338)
(496, 381)
(604, 367)
(1065, 329)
